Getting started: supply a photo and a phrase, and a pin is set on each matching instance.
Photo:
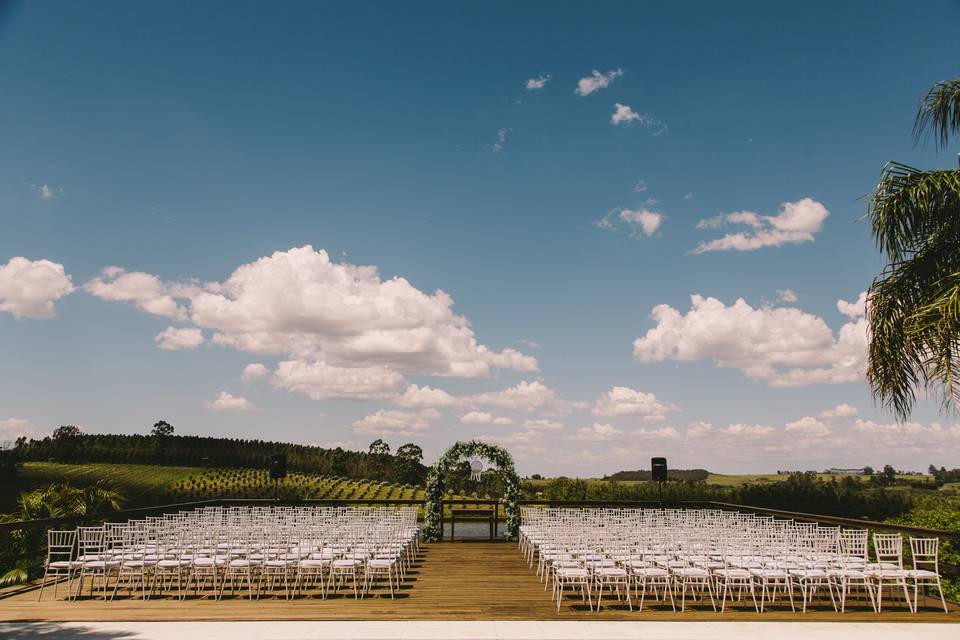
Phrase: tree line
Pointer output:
(801, 492)
(163, 447)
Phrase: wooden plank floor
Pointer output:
(451, 581)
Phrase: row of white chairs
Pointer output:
(670, 553)
(257, 548)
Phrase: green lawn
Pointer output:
(140, 484)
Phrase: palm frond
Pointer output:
(939, 113)
(17, 575)
(910, 208)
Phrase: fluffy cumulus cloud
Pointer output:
(28, 288)
(145, 291)
(226, 402)
(322, 381)
(843, 410)
(339, 324)
(782, 346)
(808, 426)
(535, 84)
(623, 401)
(525, 396)
(596, 81)
(425, 396)
(639, 222)
(854, 310)
(622, 114)
(796, 222)
(173, 338)
(386, 422)
(485, 417)
(254, 371)
(597, 432)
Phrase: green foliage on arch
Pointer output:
(436, 485)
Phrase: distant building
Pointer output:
(846, 472)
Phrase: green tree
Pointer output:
(913, 308)
(66, 442)
(379, 448)
(161, 430)
(409, 452)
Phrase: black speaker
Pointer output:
(658, 469)
(278, 466)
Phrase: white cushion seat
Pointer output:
(172, 564)
(920, 573)
(314, 563)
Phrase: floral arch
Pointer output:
(436, 485)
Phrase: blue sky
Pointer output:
(183, 140)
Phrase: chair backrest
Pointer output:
(60, 544)
(90, 541)
(926, 553)
(888, 548)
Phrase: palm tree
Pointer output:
(913, 306)
(53, 501)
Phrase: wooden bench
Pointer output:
(468, 515)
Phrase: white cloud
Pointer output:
(854, 310)
(253, 371)
(341, 325)
(623, 401)
(640, 221)
(783, 346)
(533, 344)
(497, 146)
(596, 81)
(525, 396)
(173, 338)
(535, 84)
(391, 422)
(425, 396)
(597, 432)
(840, 411)
(45, 191)
(786, 295)
(28, 288)
(13, 428)
(146, 291)
(640, 187)
(227, 402)
(796, 222)
(808, 426)
(644, 220)
(322, 381)
(485, 417)
(550, 425)
(623, 113)
(688, 196)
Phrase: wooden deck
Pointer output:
(451, 581)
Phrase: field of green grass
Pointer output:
(140, 484)
(147, 485)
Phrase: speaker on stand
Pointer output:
(278, 471)
(658, 473)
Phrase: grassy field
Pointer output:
(146, 485)
(140, 484)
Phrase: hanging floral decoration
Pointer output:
(436, 485)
